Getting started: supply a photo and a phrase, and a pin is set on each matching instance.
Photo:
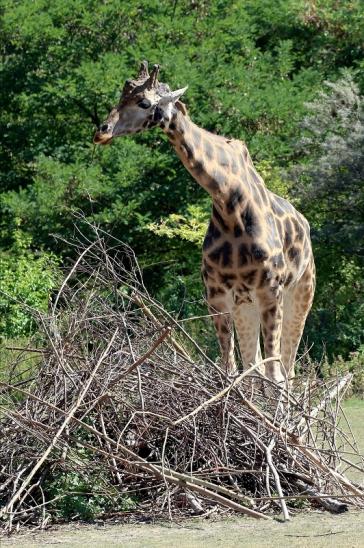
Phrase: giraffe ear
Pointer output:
(172, 96)
(178, 93)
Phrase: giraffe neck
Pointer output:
(221, 166)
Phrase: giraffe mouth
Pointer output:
(102, 138)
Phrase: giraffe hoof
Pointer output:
(278, 382)
(274, 373)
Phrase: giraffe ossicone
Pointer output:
(257, 264)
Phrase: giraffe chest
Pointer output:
(220, 282)
(242, 282)
(235, 252)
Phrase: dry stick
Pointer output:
(226, 390)
(295, 441)
(219, 488)
(355, 445)
(327, 501)
(118, 475)
(140, 360)
(74, 356)
(79, 259)
(69, 416)
(59, 358)
(277, 481)
(141, 396)
(145, 465)
(43, 504)
(20, 383)
(42, 351)
(332, 394)
(185, 333)
(25, 349)
(182, 480)
(16, 481)
(194, 318)
(268, 452)
(316, 496)
(155, 320)
(351, 464)
(195, 503)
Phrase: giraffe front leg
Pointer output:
(271, 317)
(223, 322)
(247, 325)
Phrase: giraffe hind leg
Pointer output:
(297, 302)
(271, 314)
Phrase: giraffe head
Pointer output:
(144, 103)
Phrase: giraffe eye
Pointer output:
(144, 103)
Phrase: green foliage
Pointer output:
(251, 67)
(26, 279)
(337, 322)
(329, 184)
(332, 175)
(190, 227)
(272, 176)
(353, 364)
(86, 491)
(84, 496)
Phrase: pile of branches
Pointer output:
(122, 392)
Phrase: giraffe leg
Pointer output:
(223, 321)
(297, 302)
(247, 325)
(271, 315)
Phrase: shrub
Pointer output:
(26, 279)
(84, 496)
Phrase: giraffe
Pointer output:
(257, 261)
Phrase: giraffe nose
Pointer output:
(104, 134)
(104, 128)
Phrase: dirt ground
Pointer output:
(311, 529)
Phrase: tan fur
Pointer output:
(257, 266)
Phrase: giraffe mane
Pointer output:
(181, 107)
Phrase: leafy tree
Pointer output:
(250, 65)
(330, 186)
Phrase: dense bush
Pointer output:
(26, 280)
(329, 182)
